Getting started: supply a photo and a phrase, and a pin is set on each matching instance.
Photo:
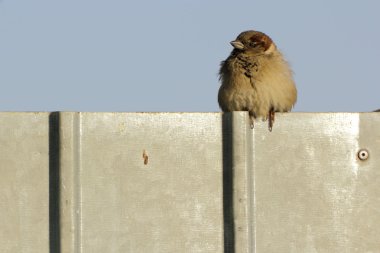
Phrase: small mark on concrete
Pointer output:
(145, 157)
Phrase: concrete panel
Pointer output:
(142, 182)
(24, 182)
(308, 190)
(189, 182)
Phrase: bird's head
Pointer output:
(253, 43)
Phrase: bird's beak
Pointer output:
(237, 44)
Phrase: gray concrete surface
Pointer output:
(308, 190)
(189, 182)
(24, 182)
(143, 182)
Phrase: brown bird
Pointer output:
(256, 78)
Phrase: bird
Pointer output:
(256, 78)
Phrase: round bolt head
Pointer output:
(363, 154)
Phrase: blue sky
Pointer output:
(164, 55)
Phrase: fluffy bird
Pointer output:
(256, 78)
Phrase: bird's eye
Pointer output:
(253, 44)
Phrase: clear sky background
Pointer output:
(114, 55)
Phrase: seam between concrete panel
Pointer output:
(77, 131)
(251, 190)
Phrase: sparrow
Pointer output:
(256, 78)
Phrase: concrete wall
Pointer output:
(189, 182)
(24, 182)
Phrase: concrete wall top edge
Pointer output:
(154, 113)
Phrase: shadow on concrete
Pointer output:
(228, 213)
(54, 229)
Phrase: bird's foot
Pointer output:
(252, 120)
(270, 120)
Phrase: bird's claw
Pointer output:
(252, 121)
(270, 120)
